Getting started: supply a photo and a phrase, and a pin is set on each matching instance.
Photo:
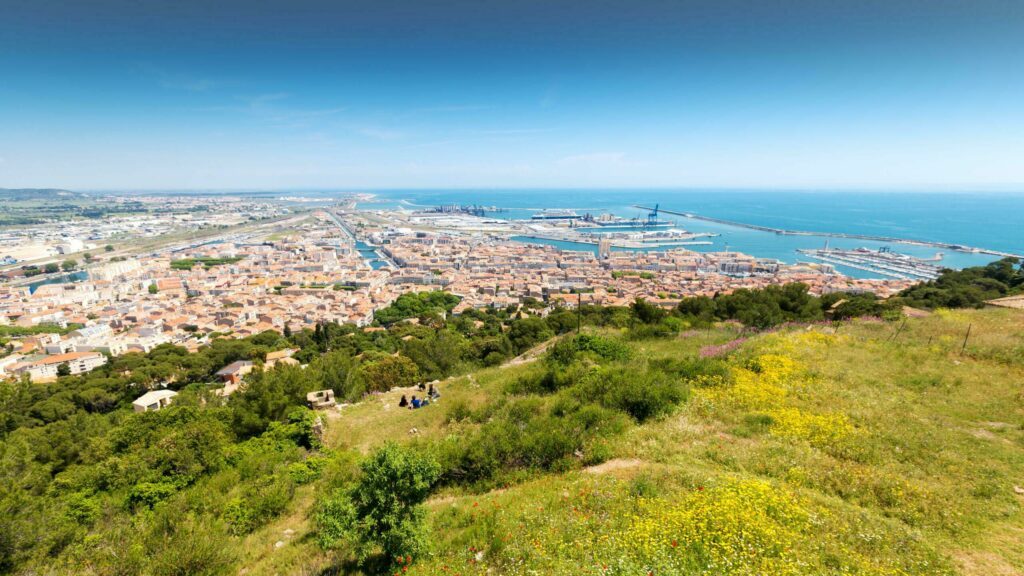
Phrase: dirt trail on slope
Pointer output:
(531, 354)
(614, 465)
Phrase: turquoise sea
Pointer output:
(980, 219)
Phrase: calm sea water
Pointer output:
(980, 219)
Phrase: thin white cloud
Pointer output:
(382, 134)
(456, 108)
(599, 158)
(188, 84)
(274, 109)
(512, 131)
(179, 80)
(487, 135)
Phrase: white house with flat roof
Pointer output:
(153, 400)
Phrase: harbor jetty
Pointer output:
(784, 232)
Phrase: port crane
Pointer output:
(652, 218)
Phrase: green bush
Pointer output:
(334, 520)
(641, 394)
(588, 345)
(458, 410)
(388, 517)
(259, 502)
(189, 546)
(689, 368)
(968, 288)
(82, 508)
(383, 372)
(664, 328)
(307, 470)
(524, 434)
(149, 493)
(555, 378)
(416, 304)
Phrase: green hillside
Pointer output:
(812, 453)
(861, 447)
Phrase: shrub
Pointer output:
(689, 368)
(642, 395)
(664, 328)
(555, 378)
(149, 493)
(386, 372)
(458, 410)
(82, 508)
(587, 345)
(967, 288)
(263, 500)
(523, 435)
(527, 332)
(307, 470)
(334, 520)
(189, 546)
(646, 312)
(494, 358)
(386, 501)
(416, 304)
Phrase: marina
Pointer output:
(882, 262)
(617, 243)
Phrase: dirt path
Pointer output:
(614, 465)
(531, 354)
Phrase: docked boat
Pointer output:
(556, 214)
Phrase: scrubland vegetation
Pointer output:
(968, 288)
(650, 442)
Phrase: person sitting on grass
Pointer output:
(415, 403)
(403, 402)
(433, 393)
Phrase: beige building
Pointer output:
(46, 368)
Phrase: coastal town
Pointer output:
(271, 268)
(513, 288)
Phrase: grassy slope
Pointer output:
(921, 479)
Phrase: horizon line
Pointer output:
(933, 188)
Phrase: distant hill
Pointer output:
(13, 194)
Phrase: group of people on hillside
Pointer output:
(431, 395)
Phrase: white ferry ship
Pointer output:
(556, 214)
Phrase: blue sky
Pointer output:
(146, 94)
